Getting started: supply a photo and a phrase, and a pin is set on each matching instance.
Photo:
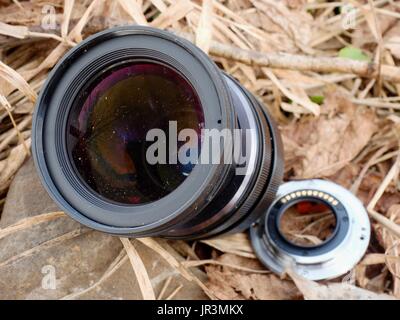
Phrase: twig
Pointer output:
(4, 102)
(376, 104)
(115, 265)
(393, 172)
(16, 80)
(164, 288)
(29, 222)
(173, 262)
(68, 6)
(45, 245)
(387, 223)
(300, 62)
(392, 258)
(197, 263)
(140, 270)
(173, 294)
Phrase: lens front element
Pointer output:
(108, 124)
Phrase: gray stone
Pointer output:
(79, 256)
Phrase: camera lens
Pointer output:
(107, 127)
(137, 132)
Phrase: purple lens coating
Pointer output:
(108, 124)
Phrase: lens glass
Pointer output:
(308, 223)
(109, 122)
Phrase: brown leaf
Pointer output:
(393, 44)
(295, 4)
(17, 81)
(346, 176)
(363, 35)
(335, 291)
(133, 8)
(392, 40)
(296, 25)
(321, 147)
(228, 283)
(238, 244)
(173, 13)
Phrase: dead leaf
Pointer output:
(322, 147)
(173, 13)
(363, 35)
(68, 6)
(312, 290)
(204, 28)
(295, 24)
(238, 244)
(19, 32)
(393, 44)
(29, 222)
(133, 8)
(295, 93)
(295, 4)
(173, 262)
(10, 165)
(392, 39)
(17, 81)
(229, 283)
(139, 269)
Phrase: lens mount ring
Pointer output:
(330, 259)
(76, 68)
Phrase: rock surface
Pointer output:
(77, 256)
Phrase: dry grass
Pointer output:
(339, 117)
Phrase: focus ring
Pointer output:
(270, 180)
(234, 223)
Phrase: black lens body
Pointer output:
(89, 131)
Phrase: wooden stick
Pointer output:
(271, 60)
(300, 62)
(139, 269)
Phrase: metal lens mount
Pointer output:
(330, 259)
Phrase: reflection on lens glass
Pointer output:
(107, 127)
(308, 223)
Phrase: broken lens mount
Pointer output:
(91, 128)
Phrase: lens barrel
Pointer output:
(90, 131)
